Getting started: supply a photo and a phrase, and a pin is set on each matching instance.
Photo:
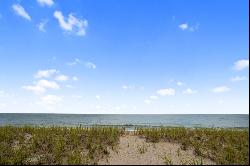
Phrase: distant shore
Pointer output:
(117, 145)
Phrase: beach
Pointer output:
(116, 146)
(133, 150)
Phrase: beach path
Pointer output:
(133, 150)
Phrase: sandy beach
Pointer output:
(133, 150)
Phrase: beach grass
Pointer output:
(26, 145)
(224, 146)
(56, 145)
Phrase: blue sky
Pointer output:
(126, 56)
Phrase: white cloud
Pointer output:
(98, 97)
(51, 100)
(45, 2)
(41, 25)
(179, 83)
(90, 65)
(75, 62)
(19, 10)
(166, 92)
(71, 24)
(241, 64)
(154, 97)
(45, 73)
(62, 78)
(75, 78)
(221, 89)
(238, 78)
(48, 84)
(147, 101)
(35, 89)
(127, 87)
(183, 26)
(189, 91)
(41, 86)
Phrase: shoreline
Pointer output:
(130, 128)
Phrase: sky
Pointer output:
(124, 56)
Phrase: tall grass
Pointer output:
(224, 146)
(56, 145)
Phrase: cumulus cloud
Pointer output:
(166, 92)
(41, 86)
(238, 78)
(45, 2)
(41, 25)
(62, 78)
(90, 65)
(46, 73)
(48, 84)
(189, 91)
(221, 89)
(71, 24)
(35, 89)
(241, 64)
(183, 26)
(20, 11)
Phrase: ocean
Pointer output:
(129, 121)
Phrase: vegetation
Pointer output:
(142, 148)
(77, 145)
(167, 160)
(56, 145)
(224, 146)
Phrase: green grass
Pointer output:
(56, 145)
(224, 146)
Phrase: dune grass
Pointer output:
(224, 146)
(56, 145)
(78, 145)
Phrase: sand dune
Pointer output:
(133, 150)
